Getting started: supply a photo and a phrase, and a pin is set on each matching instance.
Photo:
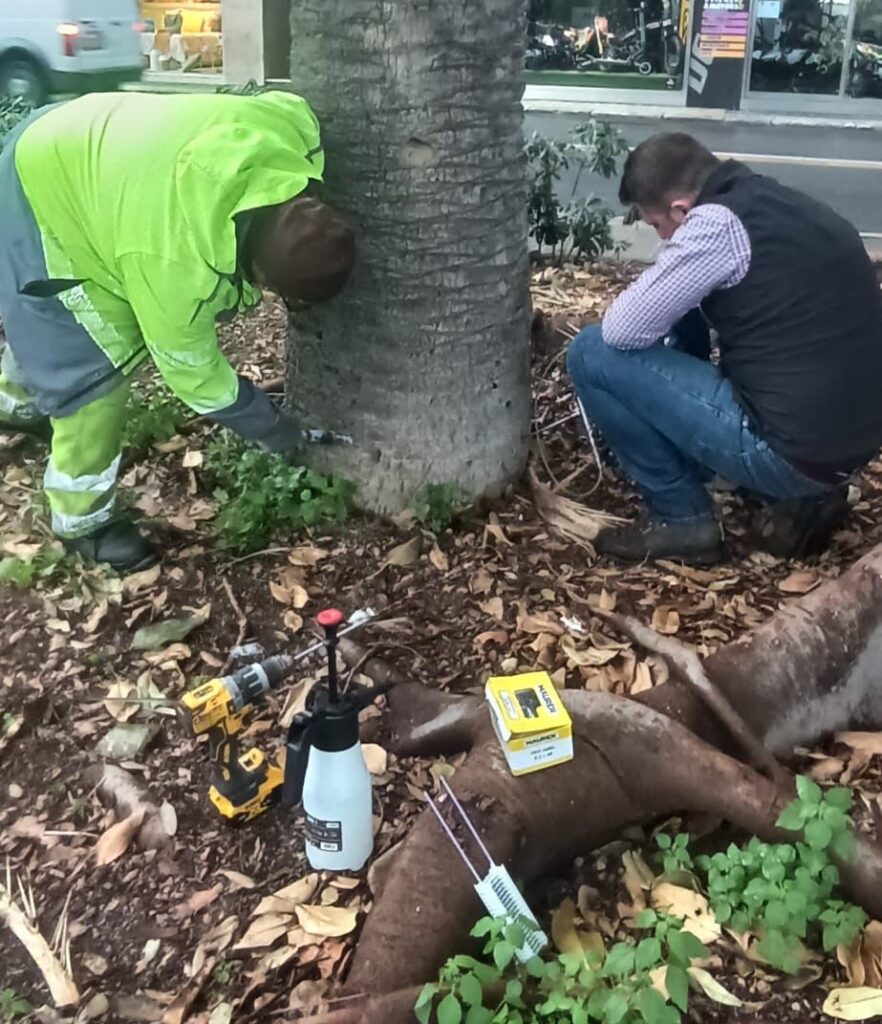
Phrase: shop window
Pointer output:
(182, 37)
(614, 44)
(864, 78)
(277, 39)
(798, 46)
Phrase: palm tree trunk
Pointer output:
(424, 359)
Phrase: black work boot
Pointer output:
(39, 428)
(698, 543)
(802, 527)
(119, 544)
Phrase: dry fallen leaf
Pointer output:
(638, 878)
(799, 582)
(492, 607)
(264, 931)
(439, 559)
(481, 582)
(306, 556)
(168, 817)
(854, 1003)
(198, 901)
(712, 988)
(404, 554)
(375, 757)
(866, 742)
(570, 939)
(116, 701)
(542, 622)
(666, 620)
(691, 906)
(331, 922)
(293, 622)
(192, 459)
(286, 900)
(238, 880)
(492, 636)
(118, 838)
(862, 960)
(280, 593)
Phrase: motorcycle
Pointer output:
(548, 49)
(865, 73)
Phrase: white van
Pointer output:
(67, 46)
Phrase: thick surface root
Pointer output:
(805, 673)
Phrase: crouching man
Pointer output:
(789, 410)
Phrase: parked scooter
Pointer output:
(647, 46)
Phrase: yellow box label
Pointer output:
(530, 719)
(527, 703)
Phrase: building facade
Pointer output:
(788, 57)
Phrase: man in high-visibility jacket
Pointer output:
(130, 224)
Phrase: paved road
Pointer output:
(841, 166)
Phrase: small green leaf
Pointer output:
(449, 1010)
(776, 915)
(646, 918)
(808, 790)
(791, 817)
(818, 835)
(470, 990)
(651, 1006)
(483, 927)
(677, 984)
(537, 968)
(514, 989)
(616, 1008)
(840, 797)
(663, 841)
(423, 1006)
(831, 937)
(479, 1015)
(648, 954)
(619, 962)
(503, 954)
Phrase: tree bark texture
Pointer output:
(424, 357)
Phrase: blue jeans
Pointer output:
(670, 417)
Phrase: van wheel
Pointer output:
(24, 79)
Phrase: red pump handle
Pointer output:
(329, 618)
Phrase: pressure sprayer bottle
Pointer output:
(324, 767)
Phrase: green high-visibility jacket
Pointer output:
(135, 197)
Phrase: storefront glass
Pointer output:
(182, 37)
(613, 44)
(864, 77)
(817, 47)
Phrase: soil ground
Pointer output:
(482, 597)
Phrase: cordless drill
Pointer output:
(243, 785)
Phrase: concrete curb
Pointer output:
(649, 112)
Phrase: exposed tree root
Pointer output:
(686, 664)
(803, 674)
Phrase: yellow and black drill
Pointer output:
(243, 785)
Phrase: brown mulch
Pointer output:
(495, 593)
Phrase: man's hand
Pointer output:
(288, 438)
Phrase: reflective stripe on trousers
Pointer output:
(16, 404)
(80, 478)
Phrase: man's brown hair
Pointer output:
(663, 168)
